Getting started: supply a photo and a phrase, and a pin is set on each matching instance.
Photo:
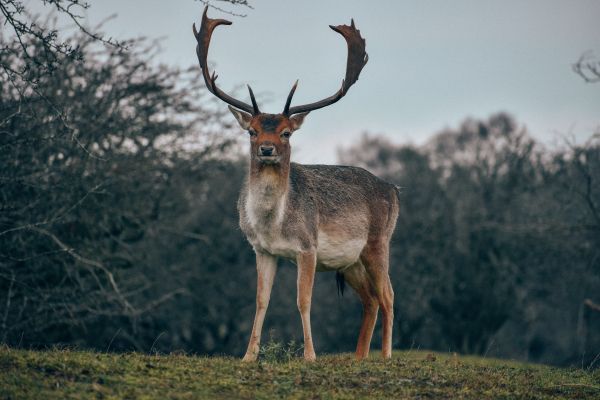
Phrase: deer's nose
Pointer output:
(267, 149)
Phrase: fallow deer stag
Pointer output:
(323, 218)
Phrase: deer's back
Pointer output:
(337, 191)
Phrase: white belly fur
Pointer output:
(335, 252)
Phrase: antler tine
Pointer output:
(254, 105)
(357, 59)
(203, 38)
(286, 109)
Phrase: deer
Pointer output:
(321, 217)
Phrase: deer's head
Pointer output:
(270, 133)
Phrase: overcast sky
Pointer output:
(431, 63)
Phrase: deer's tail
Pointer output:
(340, 282)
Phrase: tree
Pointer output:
(78, 196)
(23, 29)
(42, 49)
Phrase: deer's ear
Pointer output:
(243, 118)
(297, 120)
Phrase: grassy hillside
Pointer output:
(63, 374)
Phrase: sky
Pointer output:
(431, 63)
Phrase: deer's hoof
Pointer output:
(248, 358)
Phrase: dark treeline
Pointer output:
(118, 225)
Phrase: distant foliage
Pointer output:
(84, 192)
(498, 243)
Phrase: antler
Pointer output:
(203, 39)
(357, 58)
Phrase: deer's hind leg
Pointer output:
(375, 258)
(358, 279)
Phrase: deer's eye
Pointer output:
(286, 134)
(251, 132)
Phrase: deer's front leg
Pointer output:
(266, 266)
(307, 263)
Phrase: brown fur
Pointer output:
(317, 215)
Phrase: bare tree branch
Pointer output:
(243, 3)
(93, 263)
(588, 67)
(591, 305)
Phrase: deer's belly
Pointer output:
(336, 252)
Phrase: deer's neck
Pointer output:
(268, 187)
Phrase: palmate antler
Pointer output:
(357, 58)
(203, 38)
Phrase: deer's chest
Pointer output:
(264, 219)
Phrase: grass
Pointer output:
(62, 374)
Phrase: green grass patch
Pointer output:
(63, 374)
